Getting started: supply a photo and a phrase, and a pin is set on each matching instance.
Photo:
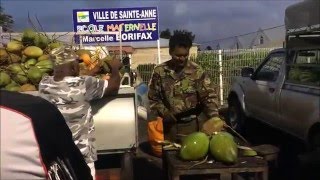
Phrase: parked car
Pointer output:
(290, 103)
(284, 91)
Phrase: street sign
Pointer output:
(133, 24)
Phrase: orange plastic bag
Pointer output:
(155, 134)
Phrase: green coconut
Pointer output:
(34, 75)
(194, 146)
(28, 37)
(45, 66)
(30, 63)
(223, 148)
(4, 79)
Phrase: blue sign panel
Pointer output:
(136, 24)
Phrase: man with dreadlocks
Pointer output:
(180, 90)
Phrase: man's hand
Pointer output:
(115, 78)
(95, 70)
(169, 118)
(106, 77)
(115, 64)
(213, 125)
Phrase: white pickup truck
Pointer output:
(284, 91)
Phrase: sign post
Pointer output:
(134, 25)
(159, 56)
(120, 40)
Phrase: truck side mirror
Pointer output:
(247, 72)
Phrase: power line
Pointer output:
(220, 39)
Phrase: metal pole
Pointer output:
(220, 77)
(159, 56)
(80, 38)
(1, 36)
(120, 33)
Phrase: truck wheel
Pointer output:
(235, 115)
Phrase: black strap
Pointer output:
(49, 125)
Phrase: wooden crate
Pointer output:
(176, 167)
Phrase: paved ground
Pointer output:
(292, 157)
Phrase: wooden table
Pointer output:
(177, 167)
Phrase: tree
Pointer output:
(209, 48)
(6, 21)
(166, 34)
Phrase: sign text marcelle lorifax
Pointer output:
(110, 38)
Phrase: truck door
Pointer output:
(263, 88)
(300, 96)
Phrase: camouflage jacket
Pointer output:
(72, 97)
(182, 91)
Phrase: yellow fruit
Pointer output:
(83, 51)
(33, 52)
(28, 87)
(86, 59)
(44, 57)
(3, 56)
(213, 125)
(14, 46)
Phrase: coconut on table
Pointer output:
(213, 153)
(24, 61)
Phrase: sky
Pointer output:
(208, 20)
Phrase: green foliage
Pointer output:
(6, 21)
(166, 34)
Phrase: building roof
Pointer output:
(275, 38)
